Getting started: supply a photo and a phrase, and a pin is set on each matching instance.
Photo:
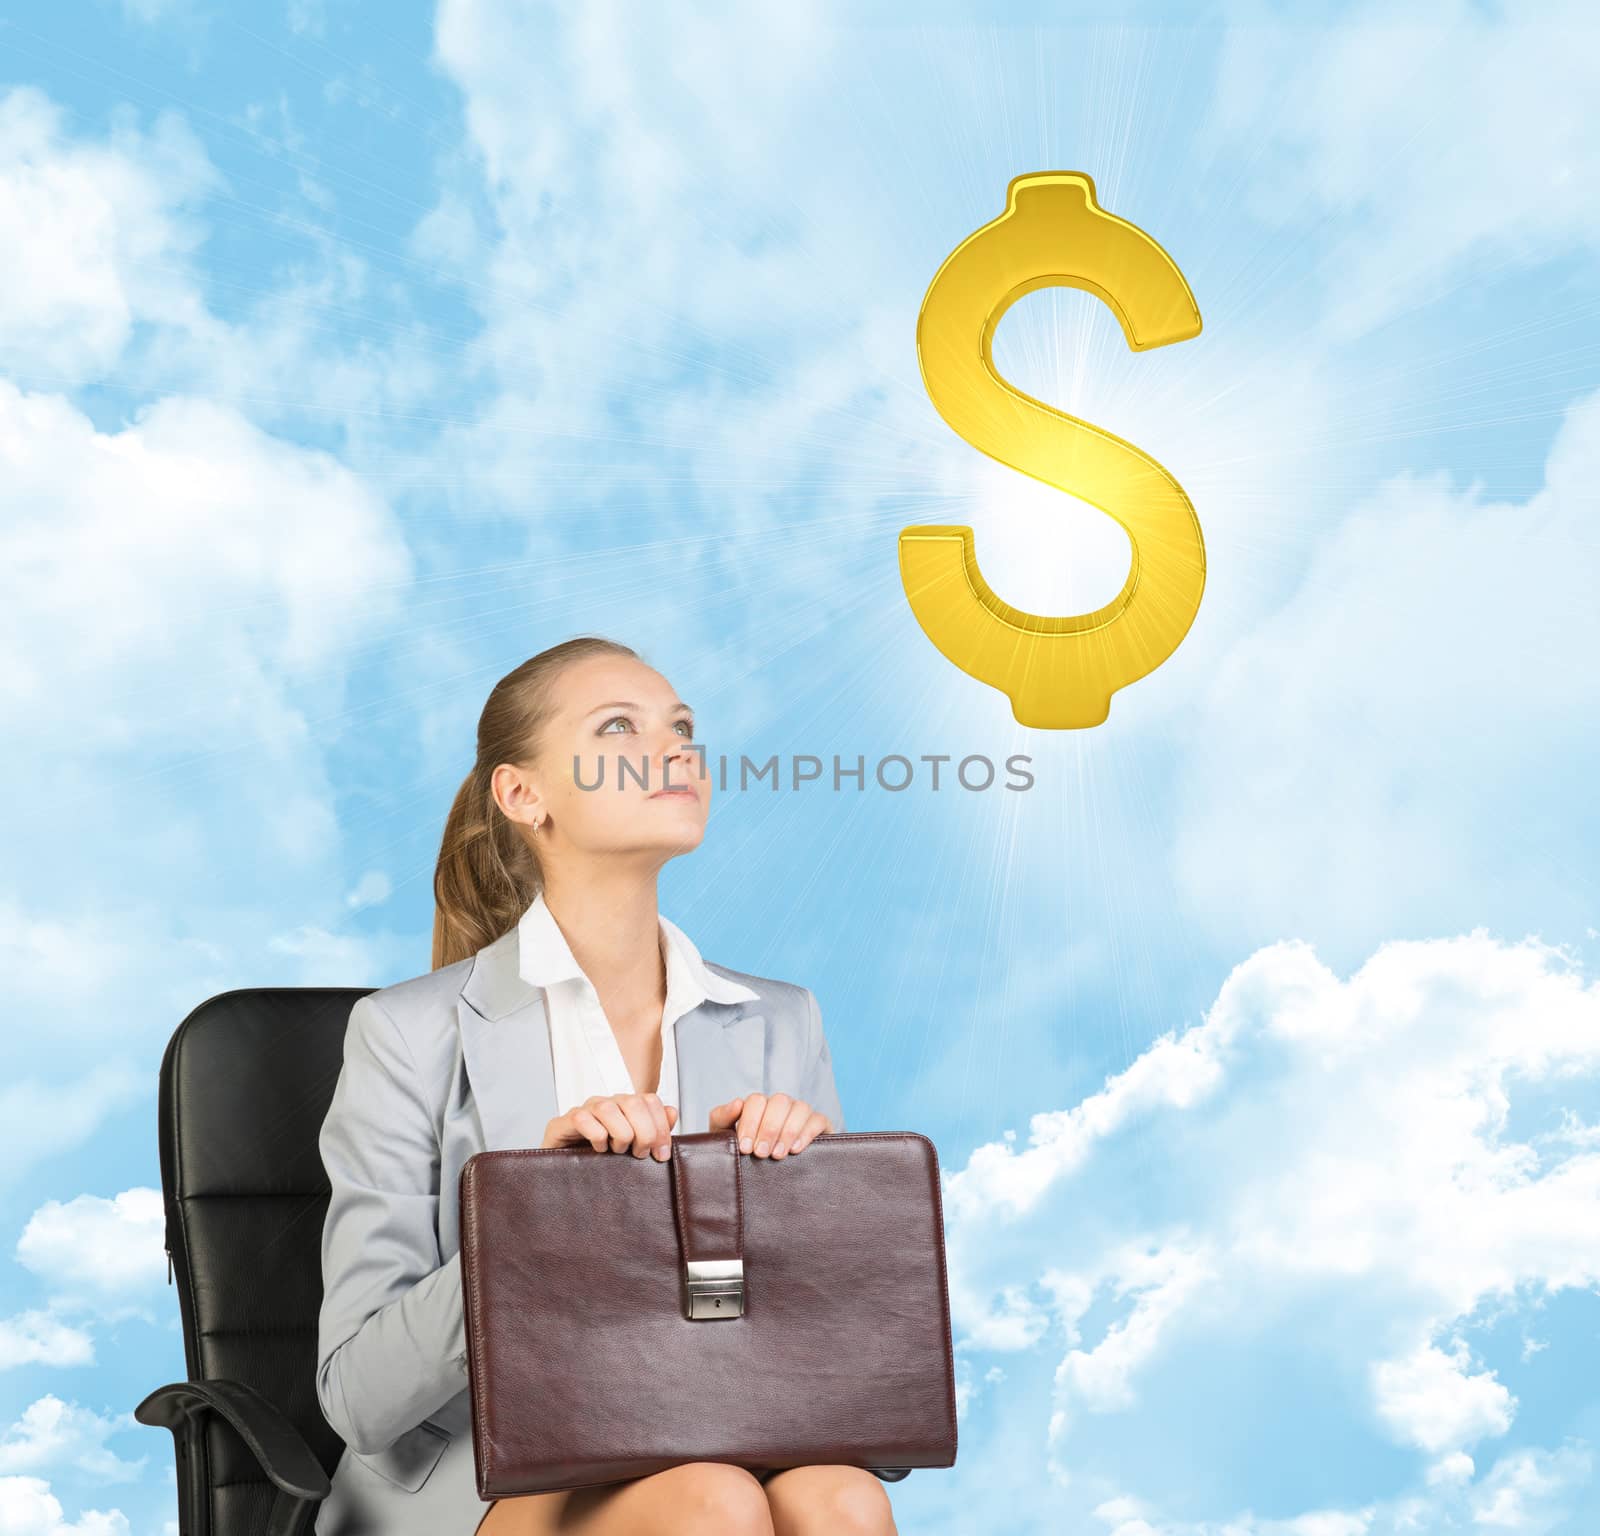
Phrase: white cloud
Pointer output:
(178, 589)
(96, 235)
(1315, 1148)
(316, 952)
(94, 1251)
(107, 279)
(1415, 713)
(54, 1434)
(371, 890)
(29, 1508)
(642, 261)
(184, 572)
(1527, 1491)
(189, 543)
(180, 583)
(308, 17)
(1430, 143)
(152, 11)
(44, 1115)
(1457, 1467)
(1176, 1071)
(1160, 1282)
(40, 1338)
(1436, 1401)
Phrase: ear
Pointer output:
(517, 796)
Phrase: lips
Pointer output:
(687, 794)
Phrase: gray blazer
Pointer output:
(436, 1068)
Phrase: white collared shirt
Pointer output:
(583, 1046)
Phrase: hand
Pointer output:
(772, 1123)
(617, 1123)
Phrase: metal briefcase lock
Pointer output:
(713, 1288)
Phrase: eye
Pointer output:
(605, 729)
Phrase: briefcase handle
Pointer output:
(708, 1205)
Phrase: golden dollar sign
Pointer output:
(1059, 673)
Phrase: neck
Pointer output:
(611, 921)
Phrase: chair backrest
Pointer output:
(246, 1081)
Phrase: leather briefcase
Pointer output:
(625, 1315)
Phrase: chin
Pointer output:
(689, 838)
(671, 822)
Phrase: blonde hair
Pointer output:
(488, 872)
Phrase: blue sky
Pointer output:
(350, 354)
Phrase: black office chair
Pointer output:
(245, 1085)
(246, 1081)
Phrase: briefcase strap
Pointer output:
(708, 1202)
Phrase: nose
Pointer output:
(678, 763)
(666, 756)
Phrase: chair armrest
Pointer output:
(278, 1447)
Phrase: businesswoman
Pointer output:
(562, 1009)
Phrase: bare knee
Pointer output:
(852, 1505)
(860, 1507)
(713, 1499)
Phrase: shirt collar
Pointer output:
(544, 957)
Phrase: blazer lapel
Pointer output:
(505, 1044)
(721, 1051)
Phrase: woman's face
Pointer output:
(617, 770)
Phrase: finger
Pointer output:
(749, 1119)
(725, 1114)
(655, 1113)
(816, 1124)
(654, 1131)
(589, 1128)
(618, 1127)
(772, 1117)
(672, 1115)
(799, 1113)
(641, 1121)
